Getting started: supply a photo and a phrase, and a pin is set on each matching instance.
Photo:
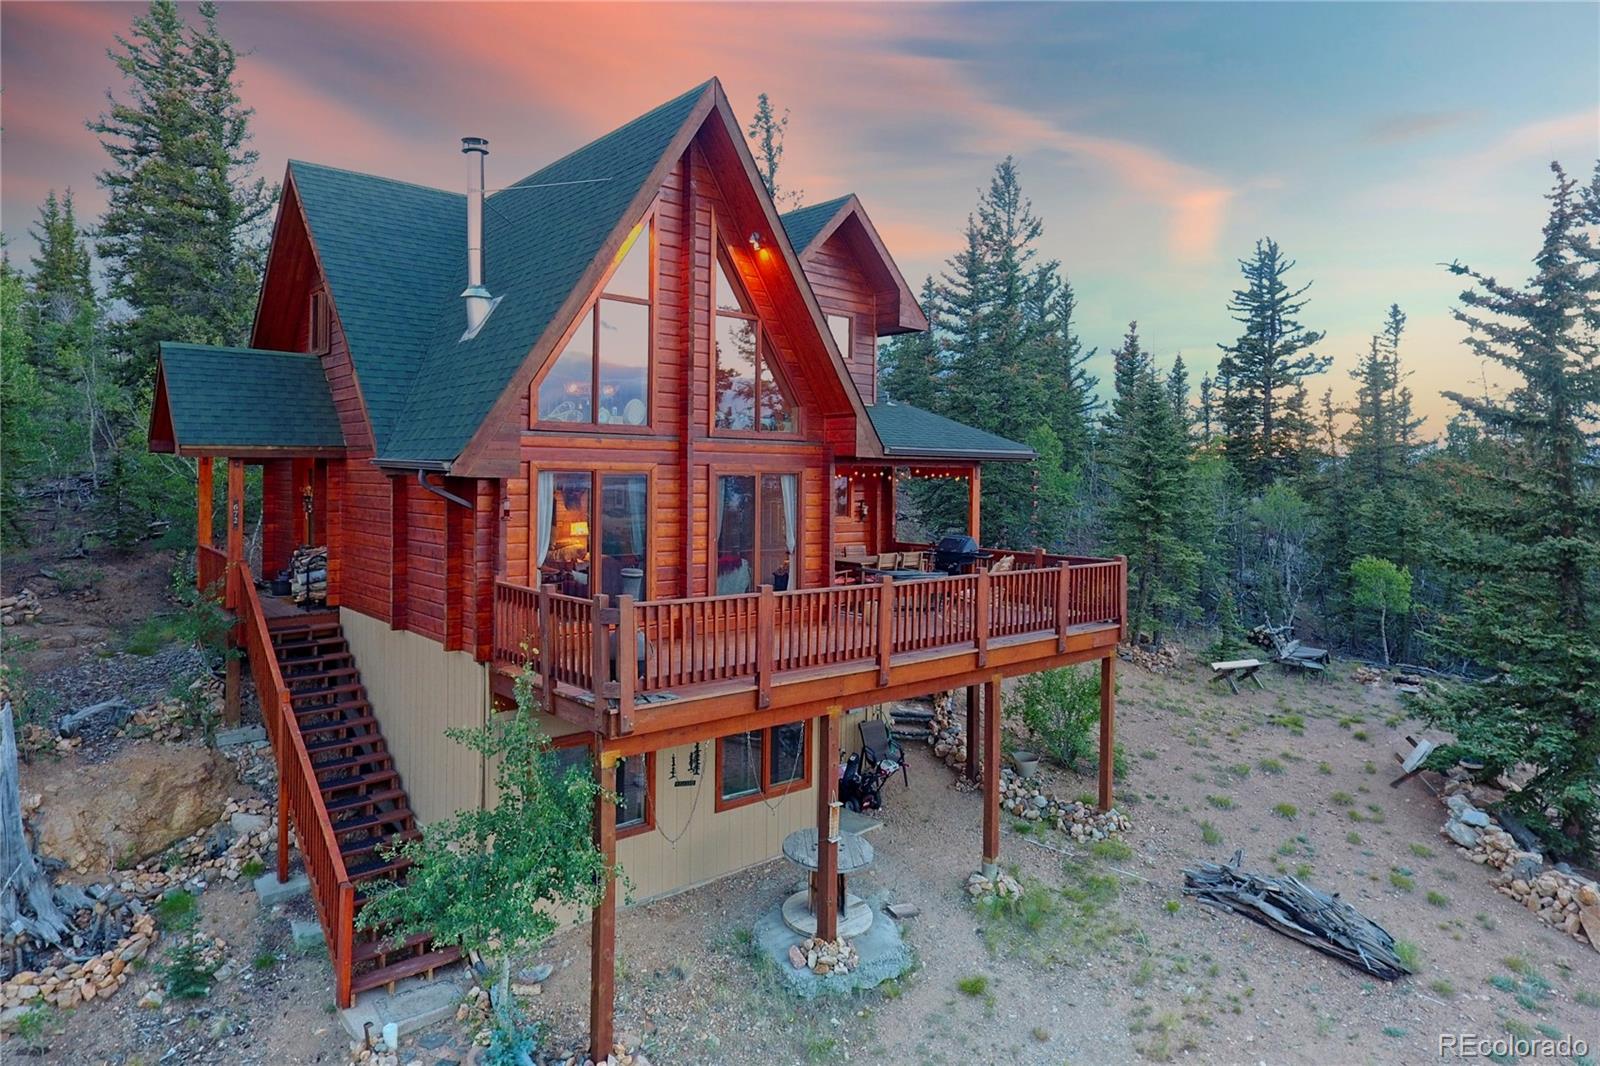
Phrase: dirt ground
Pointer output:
(1107, 964)
(1119, 967)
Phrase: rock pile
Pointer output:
(71, 983)
(23, 607)
(1000, 887)
(1028, 801)
(946, 736)
(823, 957)
(1157, 660)
(246, 832)
(1559, 897)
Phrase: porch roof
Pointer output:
(912, 432)
(242, 401)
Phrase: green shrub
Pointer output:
(1061, 709)
(177, 910)
(183, 974)
(975, 986)
(1210, 833)
(1111, 849)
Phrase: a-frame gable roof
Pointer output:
(393, 254)
(811, 227)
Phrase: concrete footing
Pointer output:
(270, 891)
(416, 1004)
(882, 953)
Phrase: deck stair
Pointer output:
(360, 788)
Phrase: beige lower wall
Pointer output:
(418, 690)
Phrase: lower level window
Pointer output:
(635, 812)
(762, 763)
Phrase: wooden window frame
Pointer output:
(721, 253)
(320, 333)
(648, 824)
(597, 473)
(768, 790)
(591, 309)
(797, 561)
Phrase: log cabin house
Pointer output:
(630, 442)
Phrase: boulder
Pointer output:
(111, 815)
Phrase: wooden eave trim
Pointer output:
(161, 405)
(916, 322)
(333, 304)
(864, 431)
(471, 462)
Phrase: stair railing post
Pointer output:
(344, 937)
(285, 723)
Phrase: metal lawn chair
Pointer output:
(878, 747)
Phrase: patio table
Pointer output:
(855, 853)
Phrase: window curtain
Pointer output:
(638, 500)
(788, 483)
(545, 517)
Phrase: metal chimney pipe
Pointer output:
(478, 300)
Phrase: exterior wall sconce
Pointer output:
(861, 510)
(755, 240)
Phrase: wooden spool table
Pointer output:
(800, 909)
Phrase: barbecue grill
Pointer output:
(955, 553)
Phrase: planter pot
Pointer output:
(1026, 763)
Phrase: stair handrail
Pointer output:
(332, 890)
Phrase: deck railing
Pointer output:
(299, 797)
(755, 637)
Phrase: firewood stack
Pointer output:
(308, 575)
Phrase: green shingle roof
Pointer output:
(390, 250)
(540, 235)
(248, 398)
(804, 223)
(910, 431)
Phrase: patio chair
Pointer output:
(877, 745)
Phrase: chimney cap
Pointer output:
(475, 144)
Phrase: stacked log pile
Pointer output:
(308, 575)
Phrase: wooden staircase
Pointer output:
(360, 789)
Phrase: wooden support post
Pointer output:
(766, 614)
(991, 773)
(230, 685)
(546, 651)
(1063, 584)
(975, 504)
(603, 926)
(974, 727)
(827, 896)
(885, 628)
(280, 750)
(203, 490)
(1108, 731)
(235, 525)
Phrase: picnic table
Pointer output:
(1236, 670)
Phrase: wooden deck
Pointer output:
(766, 654)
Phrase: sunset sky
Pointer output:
(1374, 142)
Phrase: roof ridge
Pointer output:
(377, 177)
(818, 206)
(620, 127)
(234, 348)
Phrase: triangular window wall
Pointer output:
(750, 394)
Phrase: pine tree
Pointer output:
(61, 283)
(1147, 451)
(1265, 368)
(766, 133)
(911, 367)
(1208, 402)
(21, 434)
(182, 238)
(1073, 386)
(1532, 519)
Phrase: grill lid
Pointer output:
(957, 544)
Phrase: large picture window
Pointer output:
(602, 376)
(588, 524)
(750, 394)
(762, 763)
(757, 522)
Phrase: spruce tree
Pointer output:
(21, 398)
(183, 235)
(1265, 369)
(1532, 518)
(911, 366)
